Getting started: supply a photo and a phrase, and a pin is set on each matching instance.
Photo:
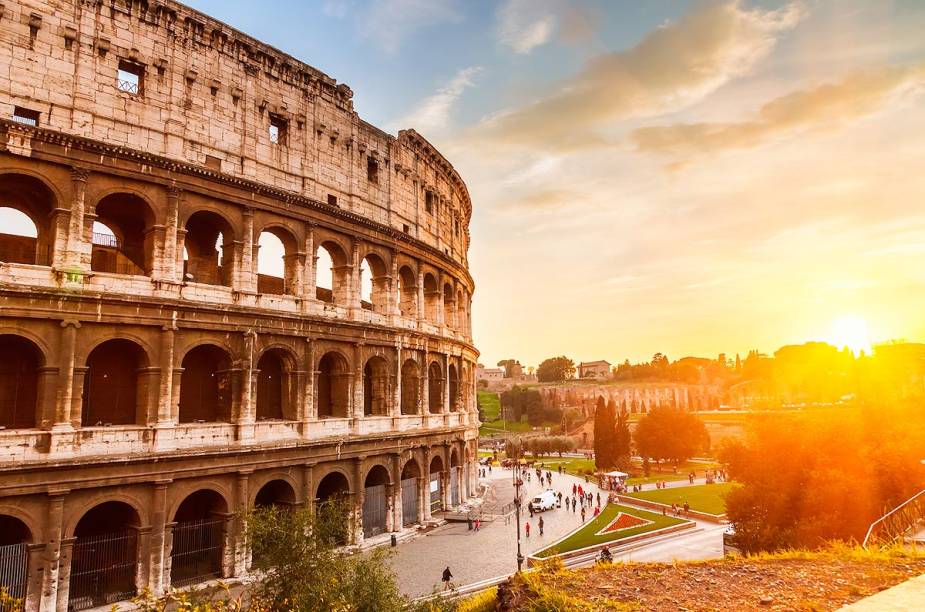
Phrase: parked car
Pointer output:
(544, 501)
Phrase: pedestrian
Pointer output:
(527, 528)
(541, 525)
(447, 575)
(582, 514)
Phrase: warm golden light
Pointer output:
(851, 331)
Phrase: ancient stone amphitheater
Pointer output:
(219, 289)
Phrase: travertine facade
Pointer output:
(153, 384)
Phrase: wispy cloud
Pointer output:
(823, 107)
(390, 22)
(433, 113)
(670, 68)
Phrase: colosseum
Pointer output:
(221, 289)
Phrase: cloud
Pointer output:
(433, 113)
(524, 25)
(390, 22)
(824, 107)
(672, 67)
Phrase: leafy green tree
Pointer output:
(555, 369)
(670, 434)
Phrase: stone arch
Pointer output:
(21, 361)
(277, 260)
(128, 246)
(431, 297)
(449, 306)
(407, 292)
(435, 387)
(209, 248)
(33, 196)
(199, 537)
(453, 387)
(374, 292)
(115, 388)
(333, 385)
(277, 391)
(205, 385)
(105, 555)
(333, 287)
(410, 387)
(376, 387)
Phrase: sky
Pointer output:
(684, 177)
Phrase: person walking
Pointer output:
(541, 525)
(447, 575)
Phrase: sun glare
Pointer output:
(851, 331)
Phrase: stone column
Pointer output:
(67, 359)
(52, 557)
(157, 579)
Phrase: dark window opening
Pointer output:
(372, 170)
(130, 77)
(278, 130)
(26, 115)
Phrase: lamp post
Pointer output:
(518, 482)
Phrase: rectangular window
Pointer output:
(429, 201)
(332, 199)
(25, 115)
(372, 170)
(278, 131)
(130, 78)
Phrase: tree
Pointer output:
(670, 434)
(555, 369)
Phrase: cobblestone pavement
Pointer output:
(491, 552)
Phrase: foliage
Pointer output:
(309, 572)
(555, 369)
(811, 477)
(671, 434)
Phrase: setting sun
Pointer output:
(851, 331)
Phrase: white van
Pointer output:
(544, 501)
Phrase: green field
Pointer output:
(586, 536)
(702, 498)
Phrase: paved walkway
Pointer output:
(492, 552)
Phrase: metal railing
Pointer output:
(897, 522)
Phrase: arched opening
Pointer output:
(435, 483)
(431, 298)
(332, 495)
(453, 384)
(26, 231)
(376, 387)
(104, 559)
(122, 240)
(375, 501)
(333, 386)
(455, 478)
(114, 391)
(209, 249)
(407, 292)
(198, 539)
(332, 279)
(205, 386)
(274, 386)
(435, 387)
(277, 493)
(374, 284)
(410, 385)
(277, 262)
(449, 307)
(20, 361)
(410, 477)
(14, 556)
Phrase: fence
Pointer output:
(103, 569)
(196, 555)
(13, 573)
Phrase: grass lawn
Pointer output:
(587, 535)
(703, 498)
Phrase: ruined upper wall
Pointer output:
(208, 95)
